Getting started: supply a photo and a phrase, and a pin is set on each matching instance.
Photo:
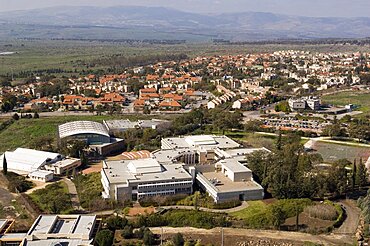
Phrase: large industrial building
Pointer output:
(95, 134)
(215, 163)
(38, 165)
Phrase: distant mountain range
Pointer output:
(161, 23)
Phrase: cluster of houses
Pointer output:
(171, 85)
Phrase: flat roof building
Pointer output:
(74, 230)
(137, 179)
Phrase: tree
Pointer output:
(148, 238)
(354, 173)
(277, 216)
(127, 232)
(104, 238)
(279, 142)
(116, 223)
(178, 239)
(361, 175)
(5, 165)
(15, 116)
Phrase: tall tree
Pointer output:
(5, 165)
(279, 141)
(361, 175)
(354, 172)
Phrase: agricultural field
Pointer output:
(332, 152)
(74, 55)
(359, 99)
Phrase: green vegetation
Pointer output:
(364, 204)
(54, 198)
(40, 133)
(89, 188)
(332, 152)
(260, 215)
(339, 220)
(194, 218)
(349, 97)
(181, 218)
(70, 57)
(104, 238)
(205, 201)
(290, 172)
(17, 183)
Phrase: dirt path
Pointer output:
(350, 224)
(234, 236)
(73, 193)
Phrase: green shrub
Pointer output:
(205, 201)
(18, 183)
(54, 198)
(194, 218)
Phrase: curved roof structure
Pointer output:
(82, 127)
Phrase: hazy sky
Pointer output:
(345, 8)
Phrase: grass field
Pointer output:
(33, 55)
(360, 99)
(333, 152)
(24, 132)
(254, 207)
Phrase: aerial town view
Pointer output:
(184, 123)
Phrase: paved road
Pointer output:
(73, 193)
(350, 225)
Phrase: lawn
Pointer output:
(359, 99)
(255, 140)
(259, 214)
(26, 132)
(333, 152)
(254, 207)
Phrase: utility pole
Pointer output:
(161, 236)
(222, 236)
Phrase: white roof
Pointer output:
(28, 160)
(144, 166)
(200, 140)
(40, 173)
(76, 226)
(82, 127)
(234, 166)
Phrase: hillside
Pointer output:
(122, 22)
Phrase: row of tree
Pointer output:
(290, 172)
